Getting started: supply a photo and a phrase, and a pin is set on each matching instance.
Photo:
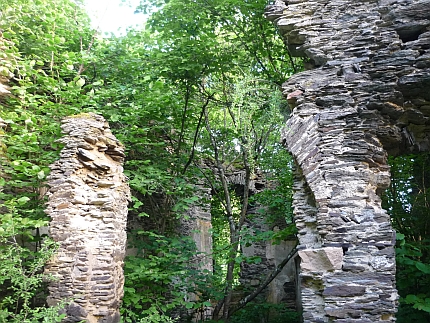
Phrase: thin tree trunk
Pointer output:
(267, 281)
(196, 133)
(184, 116)
(232, 225)
(234, 239)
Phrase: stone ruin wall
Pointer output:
(365, 95)
(6, 64)
(88, 200)
(197, 224)
(282, 289)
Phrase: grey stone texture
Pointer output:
(88, 200)
(197, 224)
(282, 289)
(364, 96)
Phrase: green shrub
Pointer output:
(265, 313)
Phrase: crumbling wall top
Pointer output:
(88, 200)
(376, 50)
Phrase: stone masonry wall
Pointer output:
(6, 64)
(282, 287)
(365, 95)
(88, 199)
(197, 224)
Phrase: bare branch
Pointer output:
(90, 45)
(268, 280)
(196, 133)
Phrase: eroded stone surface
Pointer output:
(282, 289)
(88, 200)
(321, 260)
(364, 96)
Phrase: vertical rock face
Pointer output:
(198, 224)
(251, 275)
(365, 95)
(88, 199)
(282, 288)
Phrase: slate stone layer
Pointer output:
(365, 95)
(88, 200)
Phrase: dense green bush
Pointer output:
(265, 313)
(408, 203)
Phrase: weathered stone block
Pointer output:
(321, 260)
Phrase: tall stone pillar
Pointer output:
(197, 224)
(364, 96)
(88, 199)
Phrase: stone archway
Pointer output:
(364, 96)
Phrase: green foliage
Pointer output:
(413, 278)
(221, 245)
(44, 43)
(46, 81)
(157, 88)
(21, 270)
(277, 200)
(161, 276)
(407, 202)
(185, 87)
(265, 313)
(153, 315)
(41, 54)
(221, 35)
